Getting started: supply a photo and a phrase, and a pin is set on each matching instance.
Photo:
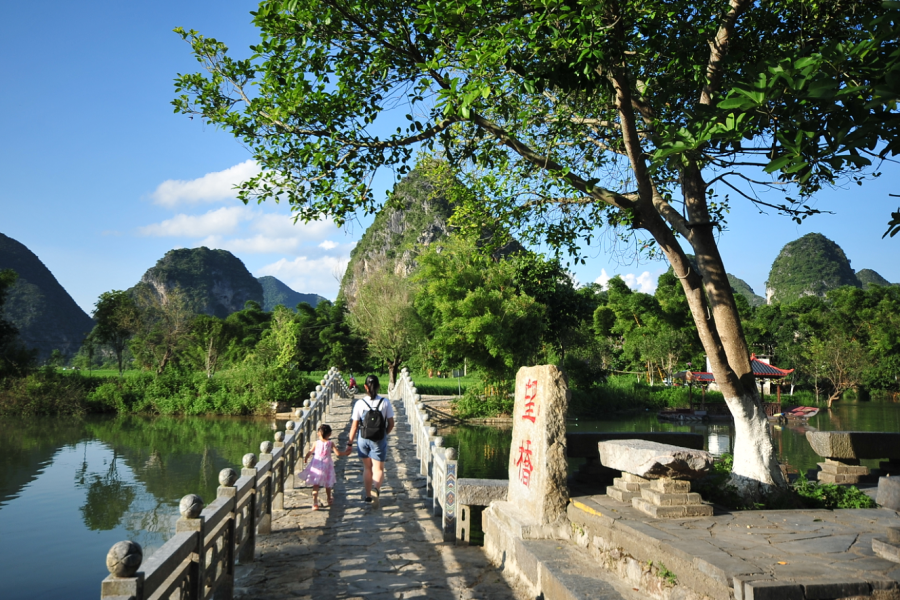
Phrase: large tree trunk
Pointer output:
(756, 470)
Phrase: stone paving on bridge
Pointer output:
(351, 550)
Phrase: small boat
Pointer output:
(796, 413)
(715, 412)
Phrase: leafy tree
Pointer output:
(248, 325)
(567, 308)
(211, 339)
(84, 359)
(341, 347)
(165, 328)
(57, 359)
(382, 312)
(573, 116)
(842, 361)
(474, 309)
(279, 347)
(118, 319)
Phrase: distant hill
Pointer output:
(46, 315)
(743, 288)
(276, 292)
(216, 282)
(809, 266)
(868, 278)
(417, 217)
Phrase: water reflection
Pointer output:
(484, 451)
(108, 498)
(70, 489)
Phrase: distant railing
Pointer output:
(436, 463)
(198, 562)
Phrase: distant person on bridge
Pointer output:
(373, 419)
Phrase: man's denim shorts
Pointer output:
(369, 449)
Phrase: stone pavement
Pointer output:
(795, 554)
(350, 550)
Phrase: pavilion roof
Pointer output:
(760, 369)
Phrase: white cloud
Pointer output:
(328, 245)
(282, 225)
(640, 283)
(309, 276)
(258, 244)
(603, 279)
(215, 222)
(212, 187)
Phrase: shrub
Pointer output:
(43, 392)
(802, 493)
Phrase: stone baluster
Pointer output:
(448, 514)
(192, 521)
(437, 449)
(226, 490)
(248, 550)
(278, 474)
(123, 561)
(290, 453)
(265, 520)
(429, 462)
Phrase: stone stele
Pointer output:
(855, 444)
(537, 457)
(652, 460)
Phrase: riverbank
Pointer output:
(243, 391)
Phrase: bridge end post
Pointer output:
(124, 581)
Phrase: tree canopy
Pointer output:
(573, 115)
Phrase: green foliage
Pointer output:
(830, 495)
(624, 393)
(803, 493)
(44, 392)
(491, 401)
(813, 265)
(200, 271)
(449, 386)
(474, 309)
(664, 573)
(118, 319)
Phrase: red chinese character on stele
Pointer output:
(524, 462)
(530, 394)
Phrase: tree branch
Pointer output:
(718, 48)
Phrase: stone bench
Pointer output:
(475, 492)
(842, 451)
(584, 445)
(656, 477)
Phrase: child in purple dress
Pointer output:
(320, 472)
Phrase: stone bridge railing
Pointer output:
(197, 563)
(436, 463)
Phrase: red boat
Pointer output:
(797, 413)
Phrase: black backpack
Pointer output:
(373, 423)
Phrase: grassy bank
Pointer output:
(241, 391)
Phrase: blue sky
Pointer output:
(101, 178)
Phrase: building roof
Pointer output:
(760, 369)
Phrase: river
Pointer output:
(71, 488)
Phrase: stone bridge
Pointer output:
(648, 536)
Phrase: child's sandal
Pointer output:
(315, 506)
